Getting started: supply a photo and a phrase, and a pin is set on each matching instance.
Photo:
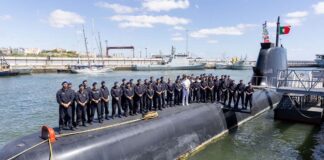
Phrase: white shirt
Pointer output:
(186, 84)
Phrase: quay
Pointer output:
(61, 64)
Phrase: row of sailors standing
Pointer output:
(127, 98)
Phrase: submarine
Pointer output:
(175, 133)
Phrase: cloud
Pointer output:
(178, 38)
(297, 14)
(60, 19)
(165, 5)
(120, 9)
(319, 8)
(179, 28)
(147, 21)
(5, 17)
(232, 31)
(212, 41)
(294, 21)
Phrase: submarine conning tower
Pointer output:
(270, 60)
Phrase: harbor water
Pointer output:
(28, 102)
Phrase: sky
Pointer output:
(215, 28)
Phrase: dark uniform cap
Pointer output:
(64, 82)
(139, 80)
(115, 83)
(81, 85)
(94, 83)
(162, 77)
(123, 79)
(84, 81)
(131, 80)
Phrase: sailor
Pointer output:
(123, 98)
(163, 94)
(223, 88)
(145, 87)
(149, 97)
(216, 89)
(210, 90)
(95, 97)
(248, 95)
(64, 99)
(116, 93)
(177, 92)
(88, 90)
(185, 90)
(196, 91)
(231, 91)
(82, 99)
(203, 90)
(72, 104)
(138, 98)
(104, 100)
(240, 93)
(191, 79)
(129, 95)
(158, 94)
(131, 83)
(170, 92)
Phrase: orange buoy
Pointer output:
(48, 133)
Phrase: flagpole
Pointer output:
(277, 35)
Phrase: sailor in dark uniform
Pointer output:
(158, 89)
(129, 95)
(138, 98)
(88, 90)
(177, 92)
(216, 89)
(95, 97)
(64, 99)
(231, 91)
(196, 91)
(123, 98)
(131, 83)
(240, 93)
(248, 95)
(163, 94)
(104, 100)
(82, 99)
(170, 92)
(224, 90)
(149, 97)
(210, 90)
(116, 93)
(145, 87)
(72, 104)
(203, 90)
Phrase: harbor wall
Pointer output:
(53, 64)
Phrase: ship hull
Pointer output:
(175, 132)
(167, 67)
(8, 73)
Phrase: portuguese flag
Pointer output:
(284, 29)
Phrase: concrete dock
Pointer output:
(55, 64)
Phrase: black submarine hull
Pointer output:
(173, 133)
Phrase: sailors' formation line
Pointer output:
(78, 108)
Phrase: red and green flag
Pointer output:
(284, 29)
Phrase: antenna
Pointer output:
(277, 35)
(187, 43)
(86, 44)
